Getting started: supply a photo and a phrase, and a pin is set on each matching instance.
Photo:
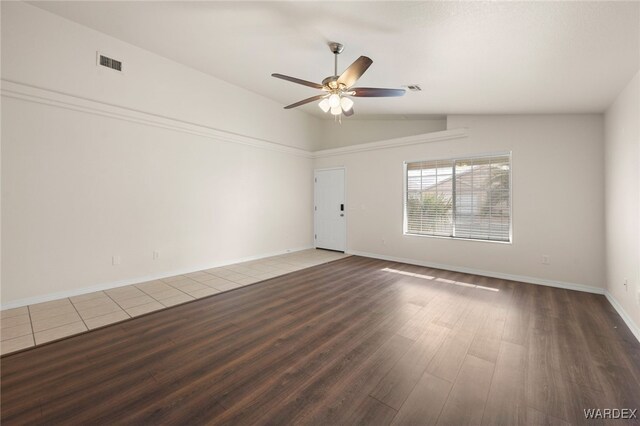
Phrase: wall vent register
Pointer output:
(105, 61)
(467, 198)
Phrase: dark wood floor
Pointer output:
(343, 343)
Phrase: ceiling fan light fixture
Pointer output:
(336, 87)
(346, 103)
(324, 105)
(334, 100)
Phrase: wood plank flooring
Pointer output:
(356, 341)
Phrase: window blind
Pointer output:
(466, 198)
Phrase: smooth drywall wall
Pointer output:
(44, 50)
(354, 130)
(622, 177)
(80, 186)
(557, 198)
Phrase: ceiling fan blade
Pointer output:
(348, 113)
(374, 92)
(355, 71)
(297, 80)
(305, 101)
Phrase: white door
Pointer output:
(330, 210)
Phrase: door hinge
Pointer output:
(315, 180)
(315, 208)
(315, 236)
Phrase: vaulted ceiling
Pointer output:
(468, 57)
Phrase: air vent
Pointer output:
(105, 61)
(414, 87)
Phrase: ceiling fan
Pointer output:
(338, 88)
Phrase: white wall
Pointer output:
(45, 50)
(622, 177)
(96, 164)
(85, 180)
(558, 197)
(353, 131)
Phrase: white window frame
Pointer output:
(405, 225)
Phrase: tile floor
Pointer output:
(37, 324)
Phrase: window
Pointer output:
(466, 198)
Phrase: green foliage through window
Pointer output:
(461, 198)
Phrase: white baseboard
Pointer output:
(107, 286)
(521, 278)
(635, 329)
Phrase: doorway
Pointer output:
(330, 221)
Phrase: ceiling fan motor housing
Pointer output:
(338, 88)
(336, 48)
(331, 83)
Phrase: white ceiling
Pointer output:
(469, 57)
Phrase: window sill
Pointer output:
(406, 234)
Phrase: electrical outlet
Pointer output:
(156, 254)
(115, 260)
(546, 260)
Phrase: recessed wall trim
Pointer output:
(31, 93)
(26, 92)
(443, 135)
